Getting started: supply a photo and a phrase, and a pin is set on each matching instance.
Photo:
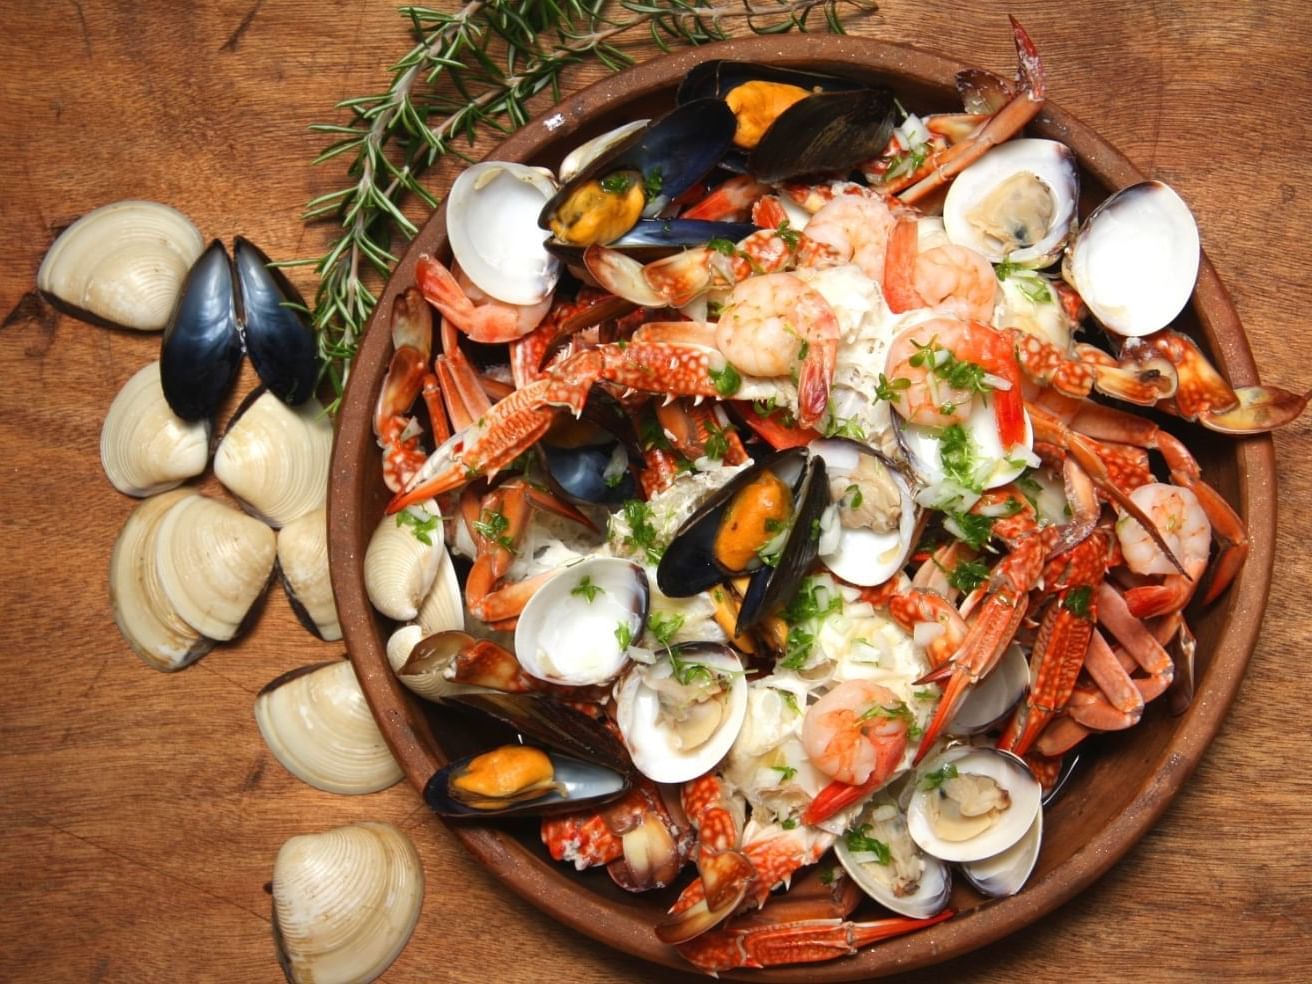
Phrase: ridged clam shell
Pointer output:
(122, 263)
(399, 568)
(303, 560)
(148, 622)
(345, 902)
(213, 563)
(317, 724)
(443, 607)
(274, 458)
(144, 446)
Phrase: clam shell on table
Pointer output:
(274, 457)
(1135, 259)
(201, 349)
(492, 223)
(303, 561)
(213, 563)
(316, 723)
(142, 611)
(145, 447)
(345, 902)
(123, 264)
(281, 344)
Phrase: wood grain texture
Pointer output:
(140, 813)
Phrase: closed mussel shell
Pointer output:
(201, 350)
(282, 346)
(828, 132)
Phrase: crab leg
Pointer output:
(802, 941)
(1003, 124)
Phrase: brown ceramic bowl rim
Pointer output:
(550, 887)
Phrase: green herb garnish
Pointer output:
(956, 452)
(786, 772)
(492, 525)
(723, 246)
(623, 635)
(888, 389)
(968, 575)
(664, 625)
(939, 776)
(727, 381)
(717, 441)
(789, 824)
(419, 528)
(790, 236)
(970, 528)
(617, 184)
(586, 589)
(789, 698)
(642, 534)
(858, 840)
(1077, 600)
(653, 183)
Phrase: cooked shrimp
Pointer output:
(775, 324)
(1179, 517)
(953, 280)
(931, 386)
(852, 229)
(856, 733)
(481, 317)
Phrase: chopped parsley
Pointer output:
(853, 496)
(956, 451)
(968, 575)
(970, 528)
(832, 426)
(419, 528)
(717, 441)
(653, 183)
(586, 589)
(724, 246)
(786, 772)
(651, 434)
(899, 712)
(664, 625)
(858, 840)
(623, 635)
(791, 237)
(1077, 600)
(1027, 281)
(812, 603)
(492, 525)
(907, 162)
(618, 183)
(827, 876)
(888, 389)
(925, 694)
(956, 373)
(642, 534)
(789, 824)
(939, 776)
(686, 671)
(727, 381)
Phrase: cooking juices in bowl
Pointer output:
(1122, 784)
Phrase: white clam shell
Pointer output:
(345, 902)
(587, 152)
(303, 560)
(443, 606)
(1007, 771)
(144, 615)
(932, 889)
(492, 224)
(995, 695)
(1006, 873)
(274, 458)
(144, 446)
(569, 638)
(864, 556)
(213, 563)
(1008, 464)
(317, 724)
(399, 568)
(1135, 259)
(655, 748)
(123, 263)
(1051, 162)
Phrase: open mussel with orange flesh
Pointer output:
(570, 760)
(652, 239)
(764, 523)
(789, 123)
(227, 308)
(640, 175)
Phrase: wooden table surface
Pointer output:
(140, 813)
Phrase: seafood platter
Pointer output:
(789, 500)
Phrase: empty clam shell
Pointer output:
(144, 446)
(122, 263)
(274, 458)
(492, 222)
(303, 561)
(317, 724)
(345, 902)
(213, 563)
(403, 559)
(144, 615)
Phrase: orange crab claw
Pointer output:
(1260, 409)
(837, 796)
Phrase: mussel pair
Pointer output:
(227, 306)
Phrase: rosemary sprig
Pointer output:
(472, 70)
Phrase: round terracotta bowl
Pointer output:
(1125, 780)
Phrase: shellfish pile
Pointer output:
(779, 455)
